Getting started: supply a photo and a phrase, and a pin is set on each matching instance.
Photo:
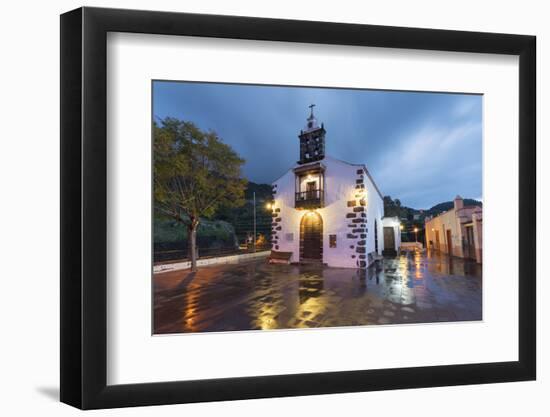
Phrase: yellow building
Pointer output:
(457, 232)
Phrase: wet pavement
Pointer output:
(411, 288)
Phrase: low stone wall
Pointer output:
(231, 259)
(411, 245)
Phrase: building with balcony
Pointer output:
(326, 210)
(457, 232)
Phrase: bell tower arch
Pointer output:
(312, 140)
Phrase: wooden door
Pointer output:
(375, 237)
(469, 250)
(437, 242)
(389, 238)
(449, 243)
(311, 237)
(311, 188)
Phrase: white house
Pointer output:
(457, 232)
(327, 210)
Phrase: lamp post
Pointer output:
(416, 234)
(254, 235)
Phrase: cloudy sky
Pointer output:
(423, 148)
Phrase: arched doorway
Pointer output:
(311, 237)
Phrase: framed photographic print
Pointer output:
(258, 207)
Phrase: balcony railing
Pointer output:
(311, 199)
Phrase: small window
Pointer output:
(332, 241)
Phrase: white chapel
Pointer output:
(329, 211)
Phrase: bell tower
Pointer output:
(312, 140)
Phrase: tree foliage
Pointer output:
(195, 174)
(393, 207)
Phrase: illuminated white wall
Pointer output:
(375, 213)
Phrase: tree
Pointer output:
(195, 174)
(391, 207)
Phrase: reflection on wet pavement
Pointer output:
(411, 288)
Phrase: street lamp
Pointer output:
(254, 237)
(416, 234)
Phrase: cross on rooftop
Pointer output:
(311, 106)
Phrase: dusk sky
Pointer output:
(423, 148)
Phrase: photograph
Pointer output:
(300, 207)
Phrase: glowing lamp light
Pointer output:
(401, 227)
(415, 229)
(269, 206)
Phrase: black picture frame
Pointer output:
(84, 207)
